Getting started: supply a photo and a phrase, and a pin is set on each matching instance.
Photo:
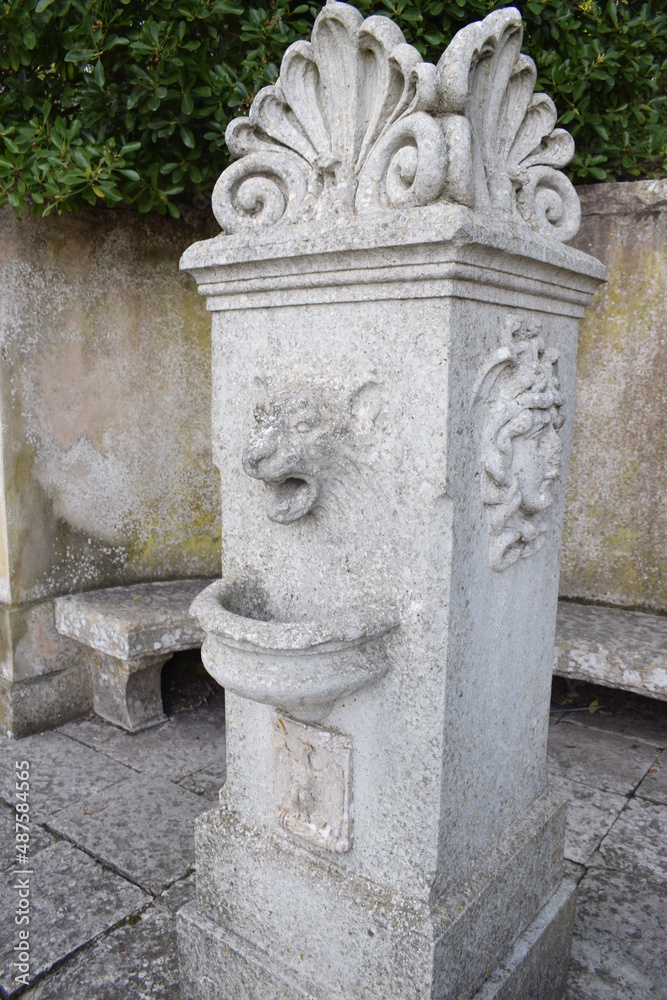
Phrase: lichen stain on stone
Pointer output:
(106, 406)
(615, 525)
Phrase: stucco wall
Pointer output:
(105, 399)
(615, 537)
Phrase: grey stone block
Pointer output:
(138, 961)
(133, 631)
(654, 785)
(39, 838)
(144, 619)
(45, 702)
(638, 841)
(590, 814)
(62, 772)
(624, 649)
(143, 830)
(620, 932)
(73, 899)
(610, 763)
(538, 964)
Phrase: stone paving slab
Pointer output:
(39, 838)
(207, 782)
(186, 743)
(637, 841)
(73, 899)
(62, 772)
(604, 761)
(654, 785)
(620, 935)
(180, 893)
(633, 725)
(590, 815)
(145, 830)
(138, 961)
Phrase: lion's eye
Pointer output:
(303, 427)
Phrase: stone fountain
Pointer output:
(394, 347)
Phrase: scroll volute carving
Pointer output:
(358, 122)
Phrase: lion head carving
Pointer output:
(304, 441)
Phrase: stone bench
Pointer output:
(619, 649)
(132, 631)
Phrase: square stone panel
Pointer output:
(638, 841)
(601, 760)
(145, 830)
(62, 772)
(312, 784)
(137, 962)
(73, 899)
(620, 931)
(590, 815)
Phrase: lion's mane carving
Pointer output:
(305, 443)
(521, 450)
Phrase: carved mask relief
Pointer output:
(519, 392)
(306, 444)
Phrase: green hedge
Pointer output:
(126, 101)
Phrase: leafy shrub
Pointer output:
(126, 101)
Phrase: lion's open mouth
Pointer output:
(292, 498)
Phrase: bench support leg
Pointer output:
(127, 692)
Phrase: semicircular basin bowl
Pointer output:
(301, 667)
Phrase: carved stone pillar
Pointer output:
(394, 347)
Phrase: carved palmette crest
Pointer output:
(358, 122)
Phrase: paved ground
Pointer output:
(111, 850)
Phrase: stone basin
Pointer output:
(301, 667)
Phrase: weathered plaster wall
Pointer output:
(615, 537)
(105, 388)
(105, 456)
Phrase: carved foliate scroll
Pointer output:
(519, 393)
(358, 122)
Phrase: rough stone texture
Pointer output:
(638, 841)
(62, 772)
(44, 678)
(624, 649)
(138, 962)
(654, 785)
(128, 622)
(39, 838)
(538, 963)
(394, 338)
(619, 938)
(620, 767)
(186, 744)
(144, 831)
(135, 629)
(615, 536)
(85, 500)
(590, 814)
(72, 900)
